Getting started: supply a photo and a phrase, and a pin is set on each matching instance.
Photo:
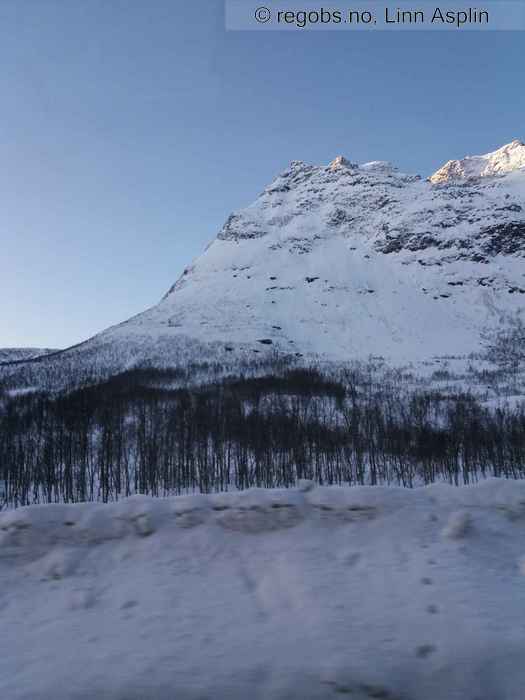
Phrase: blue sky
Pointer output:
(130, 129)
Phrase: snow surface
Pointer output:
(312, 593)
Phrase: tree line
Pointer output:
(139, 432)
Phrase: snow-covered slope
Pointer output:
(345, 261)
(17, 354)
(370, 592)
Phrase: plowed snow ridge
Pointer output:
(302, 593)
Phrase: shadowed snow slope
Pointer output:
(314, 593)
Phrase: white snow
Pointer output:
(458, 525)
(313, 593)
(506, 159)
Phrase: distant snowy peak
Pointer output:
(341, 162)
(20, 354)
(504, 160)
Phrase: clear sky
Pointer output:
(130, 129)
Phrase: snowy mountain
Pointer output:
(504, 160)
(344, 261)
(20, 354)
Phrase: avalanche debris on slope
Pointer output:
(310, 594)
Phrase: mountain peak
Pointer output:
(504, 160)
(340, 162)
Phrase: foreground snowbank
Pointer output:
(307, 593)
